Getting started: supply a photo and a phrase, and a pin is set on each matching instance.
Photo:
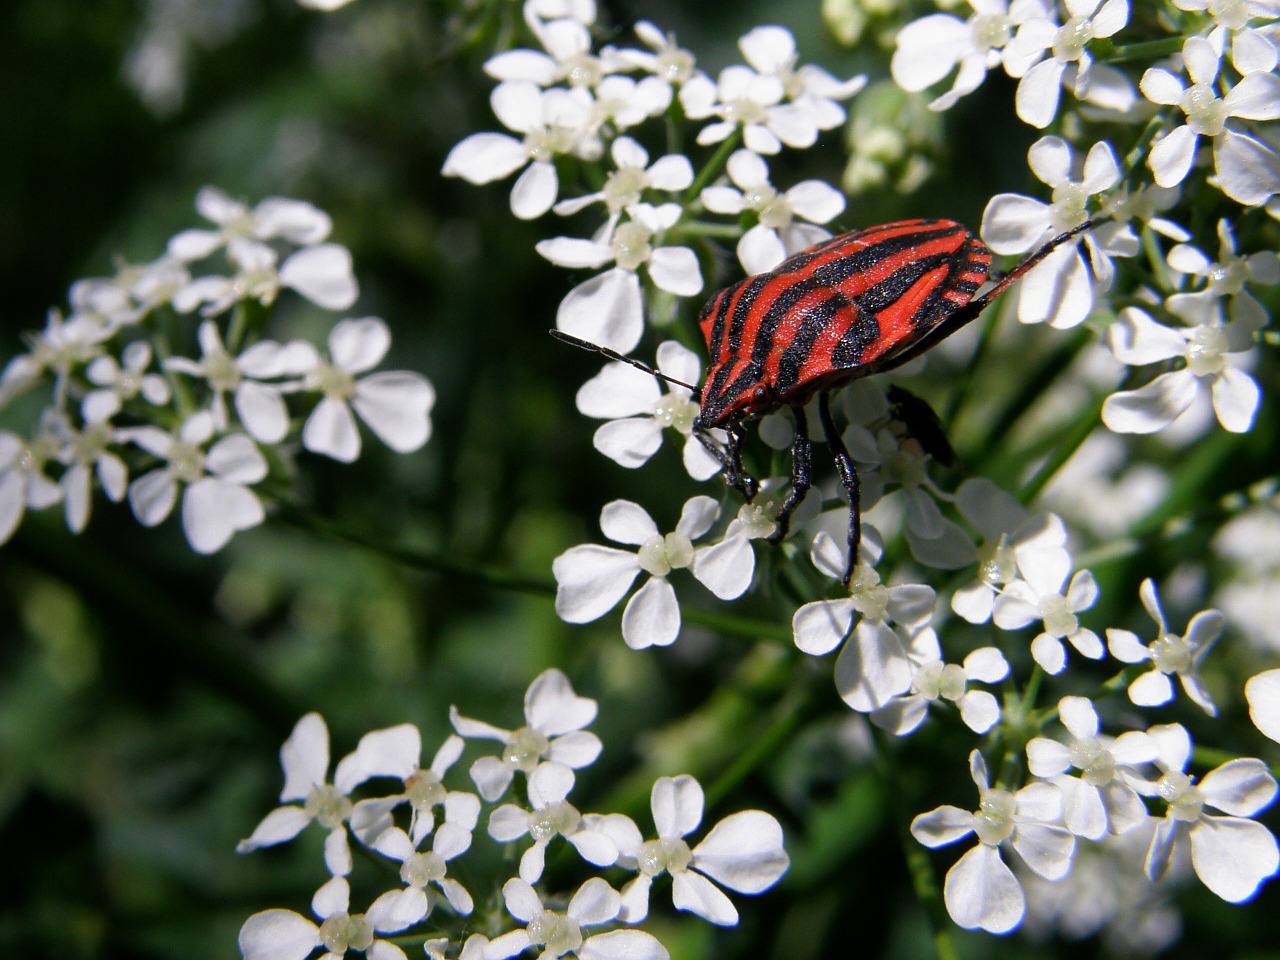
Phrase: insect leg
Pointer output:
(731, 460)
(848, 479)
(801, 476)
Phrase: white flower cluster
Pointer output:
(569, 100)
(202, 428)
(424, 827)
(1191, 327)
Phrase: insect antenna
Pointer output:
(621, 358)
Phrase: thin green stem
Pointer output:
(1065, 450)
(787, 720)
(712, 168)
(1038, 380)
(1144, 50)
(924, 881)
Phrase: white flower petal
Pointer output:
(485, 157)
(980, 892)
(652, 616)
(323, 274)
(397, 406)
(590, 580)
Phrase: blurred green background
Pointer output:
(144, 691)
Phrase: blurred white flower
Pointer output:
(1263, 693)
(395, 405)
(246, 233)
(24, 485)
(216, 499)
(117, 382)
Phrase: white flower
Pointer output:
(1005, 527)
(981, 891)
(626, 185)
(119, 382)
(928, 49)
(1168, 654)
(394, 752)
(395, 405)
(743, 852)
(933, 679)
(638, 411)
(608, 308)
(259, 405)
(1255, 97)
(1069, 60)
(1143, 203)
(560, 934)
(1251, 48)
(305, 761)
(568, 57)
(664, 59)
(1102, 799)
(286, 935)
(1263, 693)
(551, 815)
(63, 346)
(217, 501)
(87, 453)
(419, 869)
(1058, 290)
(321, 273)
(1137, 339)
(776, 235)
(1232, 855)
(873, 666)
(1228, 275)
(590, 579)
(246, 232)
(551, 122)
(555, 718)
(24, 485)
(1038, 596)
(771, 51)
(740, 97)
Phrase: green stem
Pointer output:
(1064, 451)
(419, 559)
(923, 879)
(764, 746)
(1144, 50)
(960, 395)
(1034, 385)
(712, 168)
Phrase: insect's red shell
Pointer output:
(837, 311)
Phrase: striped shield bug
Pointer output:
(852, 306)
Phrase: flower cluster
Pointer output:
(1175, 327)
(129, 412)
(423, 826)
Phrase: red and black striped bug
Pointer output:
(850, 307)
